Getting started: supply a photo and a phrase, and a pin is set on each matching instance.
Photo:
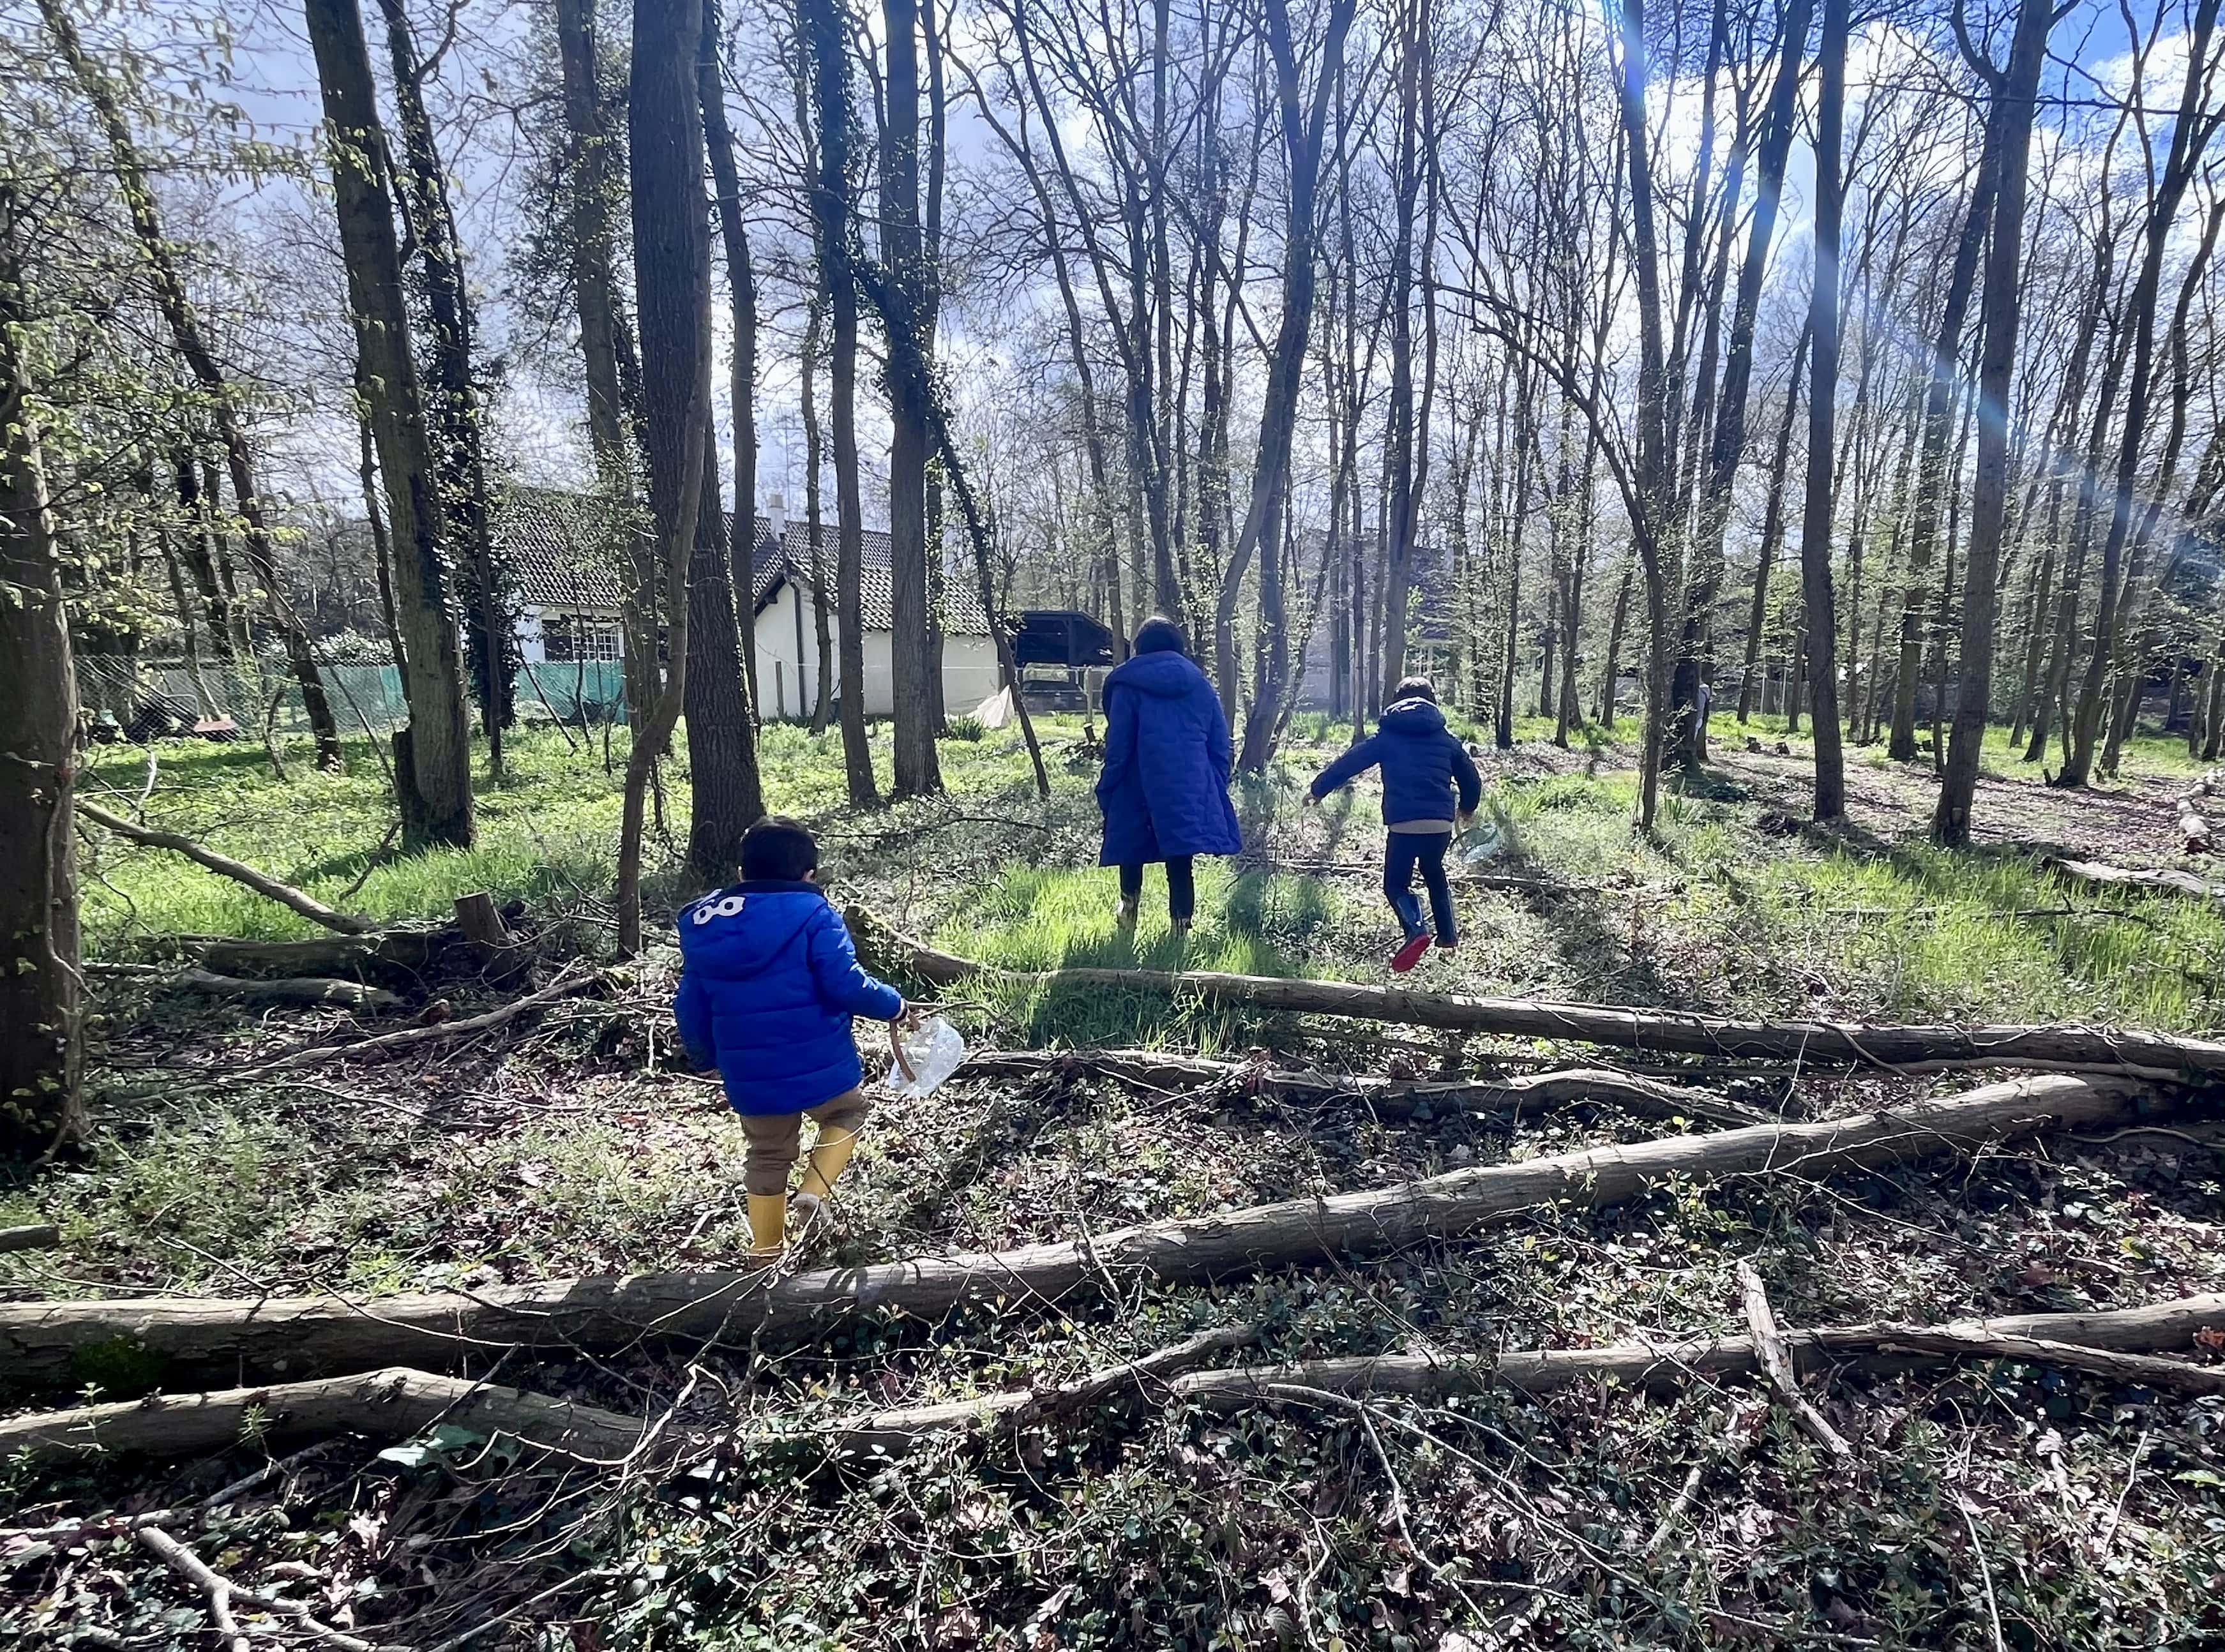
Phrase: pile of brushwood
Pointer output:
(1582, 1326)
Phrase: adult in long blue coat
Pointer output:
(1164, 790)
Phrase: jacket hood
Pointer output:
(739, 932)
(1167, 674)
(1412, 717)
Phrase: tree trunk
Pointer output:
(456, 402)
(742, 296)
(822, 606)
(672, 296)
(725, 795)
(2015, 98)
(1932, 478)
(42, 1026)
(1728, 444)
(612, 417)
(825, 42)
(911, 640)
(1821, 621)
(1772, 530)
(1303, 126)
(433, 755)
(184, 323)
(1403, 515)
(2190, 132)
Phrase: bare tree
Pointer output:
(1821, 621)
(432, 753)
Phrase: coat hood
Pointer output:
(1167, 674)
(739, 932)
(1412, 717)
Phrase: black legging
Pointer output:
(1402, 852)
(1181, 886)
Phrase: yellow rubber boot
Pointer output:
(828, 1155)
(768, 1224)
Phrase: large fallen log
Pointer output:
(2064, 1048)
(2099, 875)
(42, 1343)
(1391, 1098)
(2124, 1344)
(404, 949)
(394, 1403)
(224, 866)
(295, 989)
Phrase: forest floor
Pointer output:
(1989, 1505)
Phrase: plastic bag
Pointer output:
(997, 712)
(1492, 839)
(931, 1051)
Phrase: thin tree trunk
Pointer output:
(826, 43)
(2190, 132)
(742, 297)
(433, 771)
(911, 639)
(603, 347)
(1772, 529)
(725, 795)
(2015, 100)
(1821, 616)
(672, 296)
(822, 607)
(455, 402)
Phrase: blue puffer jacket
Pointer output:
(1164, 790)
(1422, 762)
(768, 983)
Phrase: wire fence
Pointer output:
(143, 698)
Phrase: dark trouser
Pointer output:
(1402, 852)
(1181, 886)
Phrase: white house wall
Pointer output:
(787, 664)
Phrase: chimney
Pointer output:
(776, 519)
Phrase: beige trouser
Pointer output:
(776, 1139)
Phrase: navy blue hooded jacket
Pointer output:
(1422, 761)
(1164, 790)
(768, 983)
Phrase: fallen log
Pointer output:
(394, 1403)
(298, 990)
(33, 1235)
(41, 1343)
(2101, 874)
(386, 1044)
(224, 866)
(2062, 1049)
(893, 1432)
(2125, 1345)
(404, 949)
(1391, 1098)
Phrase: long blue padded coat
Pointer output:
(1424, 763)
(768, 981)
(1164, 790)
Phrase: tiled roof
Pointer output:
(563, 556)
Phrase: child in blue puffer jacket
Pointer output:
(768, 984)
(1424, 765)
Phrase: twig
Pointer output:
(1768, 1347)
(408, 1037)
(376, 858)
(190, 1566)
(2131, 1474)
(1985, 1571)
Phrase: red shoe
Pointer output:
(1410, 955)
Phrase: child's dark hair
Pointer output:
(1415, 689)
(778, 850)
(1158, 635)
